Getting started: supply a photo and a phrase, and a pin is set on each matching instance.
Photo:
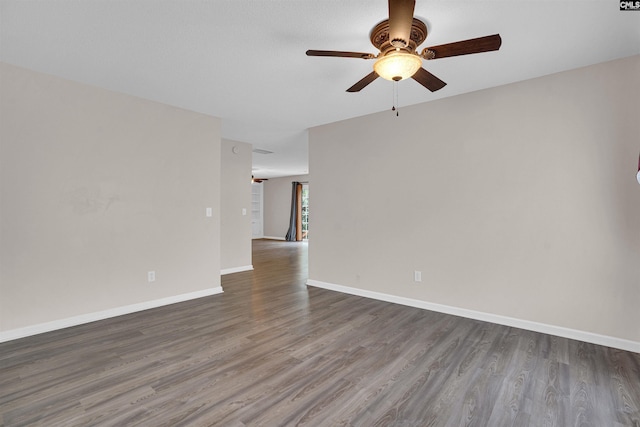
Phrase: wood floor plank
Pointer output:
(271, 352)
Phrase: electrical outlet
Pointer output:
(151, 276)
(244, 211)
(417, 276)
(209, 212)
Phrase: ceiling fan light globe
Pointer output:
(397, 66)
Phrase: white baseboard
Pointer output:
(236, 269)
(40, 328)
(560, 331)
(273, 238)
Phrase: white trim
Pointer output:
(273, 238)
(235, 269)
(13, 334)
(560, 331)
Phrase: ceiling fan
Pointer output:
(397, 39)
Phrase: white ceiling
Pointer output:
(244, 60)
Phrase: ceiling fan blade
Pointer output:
(364, 82)
(428, 80)
(340, 54)
(400, 20)
(465, 47)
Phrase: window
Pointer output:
(305, 211)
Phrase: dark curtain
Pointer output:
(293, 218)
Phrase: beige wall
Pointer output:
(277, 204)
(520, 201)
(235, 229)
(97, 189)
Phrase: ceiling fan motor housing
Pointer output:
(380, 37)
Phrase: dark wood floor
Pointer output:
(272, 352)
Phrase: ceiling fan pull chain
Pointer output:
(395, 107)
